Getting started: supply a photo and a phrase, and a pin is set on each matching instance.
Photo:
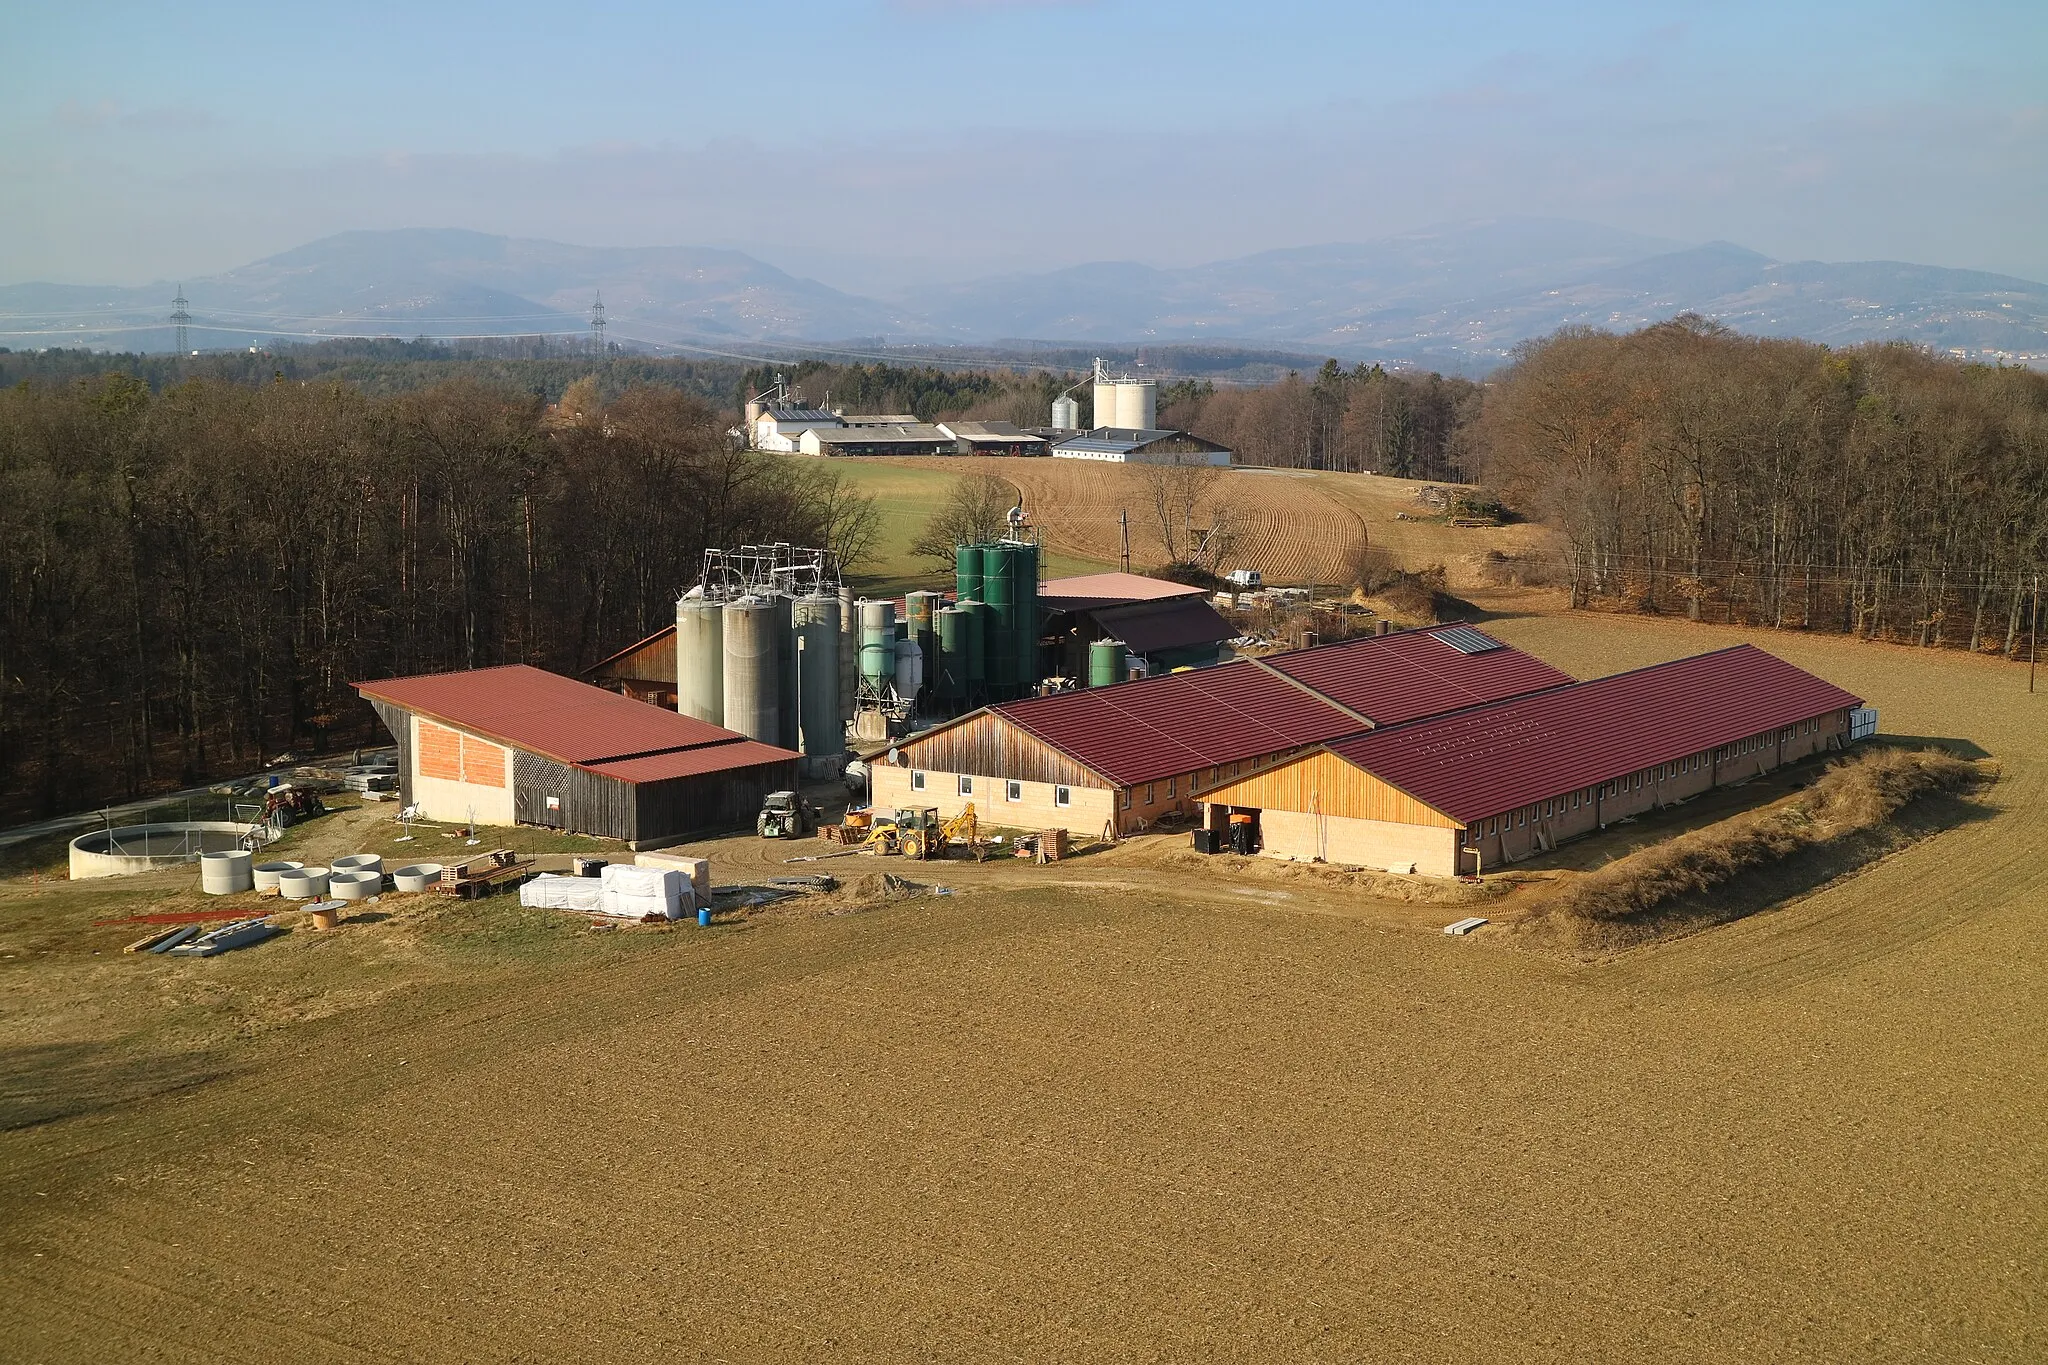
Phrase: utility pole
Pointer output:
(1123, 521)
(2034, 634)
(597, 325)
(181, 318)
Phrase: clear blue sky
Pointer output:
(867, 140)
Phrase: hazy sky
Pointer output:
(869, 141)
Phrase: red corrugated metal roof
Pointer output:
(1411, 674)
(1160, 727)
(709, 758)
(547, 714)
(1496, 758)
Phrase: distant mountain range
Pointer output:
(1456, 297)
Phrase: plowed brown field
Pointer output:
(1113, 1113)
(1294, 526)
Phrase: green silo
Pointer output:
(999, 586)
(967, 573)
(974, 650)
(1025, 595)
(1106, 663)
(950, 628)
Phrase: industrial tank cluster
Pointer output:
(791, 658)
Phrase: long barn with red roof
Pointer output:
(1119, 758)
(1470, 789)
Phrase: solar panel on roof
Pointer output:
(1466, 640)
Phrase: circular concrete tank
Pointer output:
(146, 848)
(302, 883)
(265, 875)
(359, 862)
(417, 877)
(354, 886)
(223, 874)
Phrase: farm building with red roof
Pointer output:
(519, 745)
(1121, 757)
(1476, 787)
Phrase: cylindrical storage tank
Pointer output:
(1105, 405)
(700, 659)
(1025, 590)
(1137, 405)
(302, 883)
(1106, 663)
(951, 631)
(999, 582)
(974, 648)
(416, 876)
(1066, 414)
(751, 665)
(817, 633)
(354, 886)
(358, 862)
(878, 644)
(223, 874)
(909, 668)
(789, 722)
(849, 653)
(966, 573)
(265, 875)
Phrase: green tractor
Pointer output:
(785, 815)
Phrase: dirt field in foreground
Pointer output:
(1104, 1121)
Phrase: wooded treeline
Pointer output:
(1877, 490)
(1364, 420)
(192, 578)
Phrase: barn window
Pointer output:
(1127, 798)
(1063, 796)
(966, 785)
(1149, 798)
(1169, 788)
(1233, 770)
(1013, 791)
(916, 780)
(1215, 773)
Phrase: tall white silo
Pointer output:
(1137, 404)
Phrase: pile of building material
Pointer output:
(698, 870)
(617, 892)
(194, 940)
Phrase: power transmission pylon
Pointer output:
(597, 324)
(181, 319)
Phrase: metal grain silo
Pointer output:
(823, 724)
(974, 650)
(700, 659)
(1066, 413)
(1137, 404)
(753, 665)
(1106, 663)
(966, 573)
(849, 652)
(946, 676)
(878, 645)
(909, 668)
(999, 590)
(789, 722)
(1024, 591)
(1105, 403)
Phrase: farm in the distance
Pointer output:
(1108, 1110)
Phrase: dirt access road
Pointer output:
(1073, 1123)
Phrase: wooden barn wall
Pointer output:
(710, 801)
(1327, 785)
(590, 804)
(989, 746)
(399, 723)
(654, 661)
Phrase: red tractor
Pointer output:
(286, 806)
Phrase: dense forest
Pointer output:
(1877, 490)
(1358, 421)
(192, 578)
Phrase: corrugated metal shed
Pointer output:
(1478, 763)
(530, 708)
(1175, 623)
(1108, 589)
(1410, 674)
(710, 758)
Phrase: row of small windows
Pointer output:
(1012, 790)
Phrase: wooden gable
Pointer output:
(986, 745)
(1320, 783)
